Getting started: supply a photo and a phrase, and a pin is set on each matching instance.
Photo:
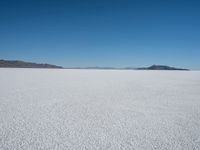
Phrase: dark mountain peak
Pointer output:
(23, 64)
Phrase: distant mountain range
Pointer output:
(23, 64)
(153, 67)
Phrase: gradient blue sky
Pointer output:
(114, 33)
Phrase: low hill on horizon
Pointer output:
(160, 67)
(23, 64)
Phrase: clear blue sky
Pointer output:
(114, 33)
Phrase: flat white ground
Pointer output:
(99, 109)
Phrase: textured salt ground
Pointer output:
(99, 109)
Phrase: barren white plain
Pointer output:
(99, 109)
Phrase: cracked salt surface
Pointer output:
(99, 109)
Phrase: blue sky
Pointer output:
(116, 33)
